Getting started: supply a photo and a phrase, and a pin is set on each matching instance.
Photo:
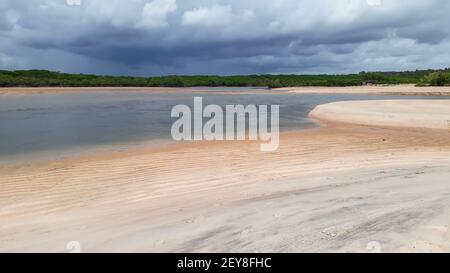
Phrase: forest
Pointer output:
(44, 78)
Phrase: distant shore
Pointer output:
(409, 90)
(47, 90)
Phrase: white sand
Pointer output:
(432, 114)
(333, 189)
(405, 89)
(325, 190)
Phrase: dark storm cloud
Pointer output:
(154, 37)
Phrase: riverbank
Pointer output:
(69, 90)
(402, 89)
(429, 114)
(331, 189)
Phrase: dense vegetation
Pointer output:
(43, 78)
(438, 78)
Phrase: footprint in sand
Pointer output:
(277, 216)
(439, 229)
(331, 233)
(425, 246)
(245, 233)
(195, 220)
(159, 243)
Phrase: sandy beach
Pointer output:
(404, 89)
(393, 113)
(338, 188)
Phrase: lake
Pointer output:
(54, 125)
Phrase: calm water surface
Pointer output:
(55, 125)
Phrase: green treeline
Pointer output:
(44, 78)
(438, 78)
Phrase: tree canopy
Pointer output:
(44, 78)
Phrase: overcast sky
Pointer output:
(158, 37)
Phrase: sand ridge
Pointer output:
(20, 91)
(46, 90)
(403, 89)
(431, 114)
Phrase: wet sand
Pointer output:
(337, 188)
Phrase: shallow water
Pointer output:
(55, 125)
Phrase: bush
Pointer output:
(436, 79)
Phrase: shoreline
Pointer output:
(425, 114)
(329, 189)
(140, 202)
(112, 90)
(377, 114)
(70, 90)
(401, 89)
(83, 152)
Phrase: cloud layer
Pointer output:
(156, 37)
